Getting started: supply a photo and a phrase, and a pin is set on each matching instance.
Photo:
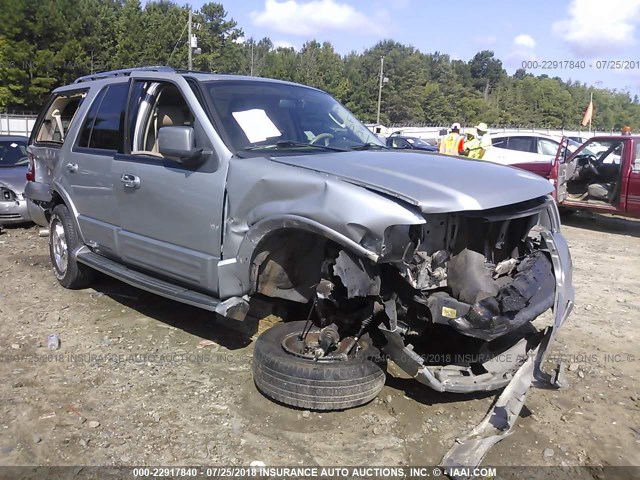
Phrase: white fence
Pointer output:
(22, 125)
(432, 133)
(16, 124)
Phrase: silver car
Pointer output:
(13, 168)
(210, 189)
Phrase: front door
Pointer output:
(170, 213)
(560, 169)
(633, 187)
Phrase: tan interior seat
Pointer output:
(167, 116)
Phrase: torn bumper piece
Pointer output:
(498, 372)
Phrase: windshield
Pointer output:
(277, 117)
(417, 142)
(13, 153)
(573, 146)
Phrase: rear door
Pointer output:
(86, 170)
(510, 150)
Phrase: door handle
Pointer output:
(72, 167)
(130, 181)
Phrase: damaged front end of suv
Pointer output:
(452, 301)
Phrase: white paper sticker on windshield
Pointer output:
(257, 126)
(13, 145)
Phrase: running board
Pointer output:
(147, 282)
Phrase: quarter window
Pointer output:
(57, 120)
(547, 147)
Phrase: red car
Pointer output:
(602, 175)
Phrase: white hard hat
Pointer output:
(455, 126)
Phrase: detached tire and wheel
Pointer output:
(63, 240)
(304, 383)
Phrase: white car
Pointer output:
(524, 147)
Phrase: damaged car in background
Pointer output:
(277, 190)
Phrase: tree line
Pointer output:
(47, 43)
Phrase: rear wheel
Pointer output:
(302, 382)
(63, 240)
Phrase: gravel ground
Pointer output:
(140, 380)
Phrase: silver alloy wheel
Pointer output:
(59, 246)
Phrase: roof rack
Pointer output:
(125, 72)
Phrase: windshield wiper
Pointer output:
(369, 146)
(286, 144)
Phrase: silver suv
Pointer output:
(210, 189)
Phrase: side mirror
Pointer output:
(178, 143)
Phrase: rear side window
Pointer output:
(61, 112)
(499, 142)
(104, 126)
(521, 144)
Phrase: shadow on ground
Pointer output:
(598, 222)
(231, 334)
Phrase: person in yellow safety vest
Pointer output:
(453, 143)
(483, 140)
(471, 144)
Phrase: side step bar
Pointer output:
(146, 282)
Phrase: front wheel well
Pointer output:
(287, 264)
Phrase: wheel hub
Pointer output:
(307, 346)
(59, 246)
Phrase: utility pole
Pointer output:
(251, 69)
(380, 89)
(189, 43)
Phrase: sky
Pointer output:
(591, 33)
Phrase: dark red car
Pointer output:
(602, 175)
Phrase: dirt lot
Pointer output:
(143, 380)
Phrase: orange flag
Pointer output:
(588, 115)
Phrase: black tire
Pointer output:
(75, 275)
(303, 383)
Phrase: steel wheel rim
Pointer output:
(59, 246)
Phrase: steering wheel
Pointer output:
(323, 136)
(592, 164)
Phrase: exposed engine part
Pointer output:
(520, 301)
(327, 339)
(469, 277)
(426, 271)
(505, 267)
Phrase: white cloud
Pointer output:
(517, 58)
(524, 40)
(312, 17)
(521, 52)
(597, 27)
(282, 44)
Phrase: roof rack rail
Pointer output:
(125, 72)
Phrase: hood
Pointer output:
(434, 183)
(14, 178)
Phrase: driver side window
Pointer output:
(155, 105)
